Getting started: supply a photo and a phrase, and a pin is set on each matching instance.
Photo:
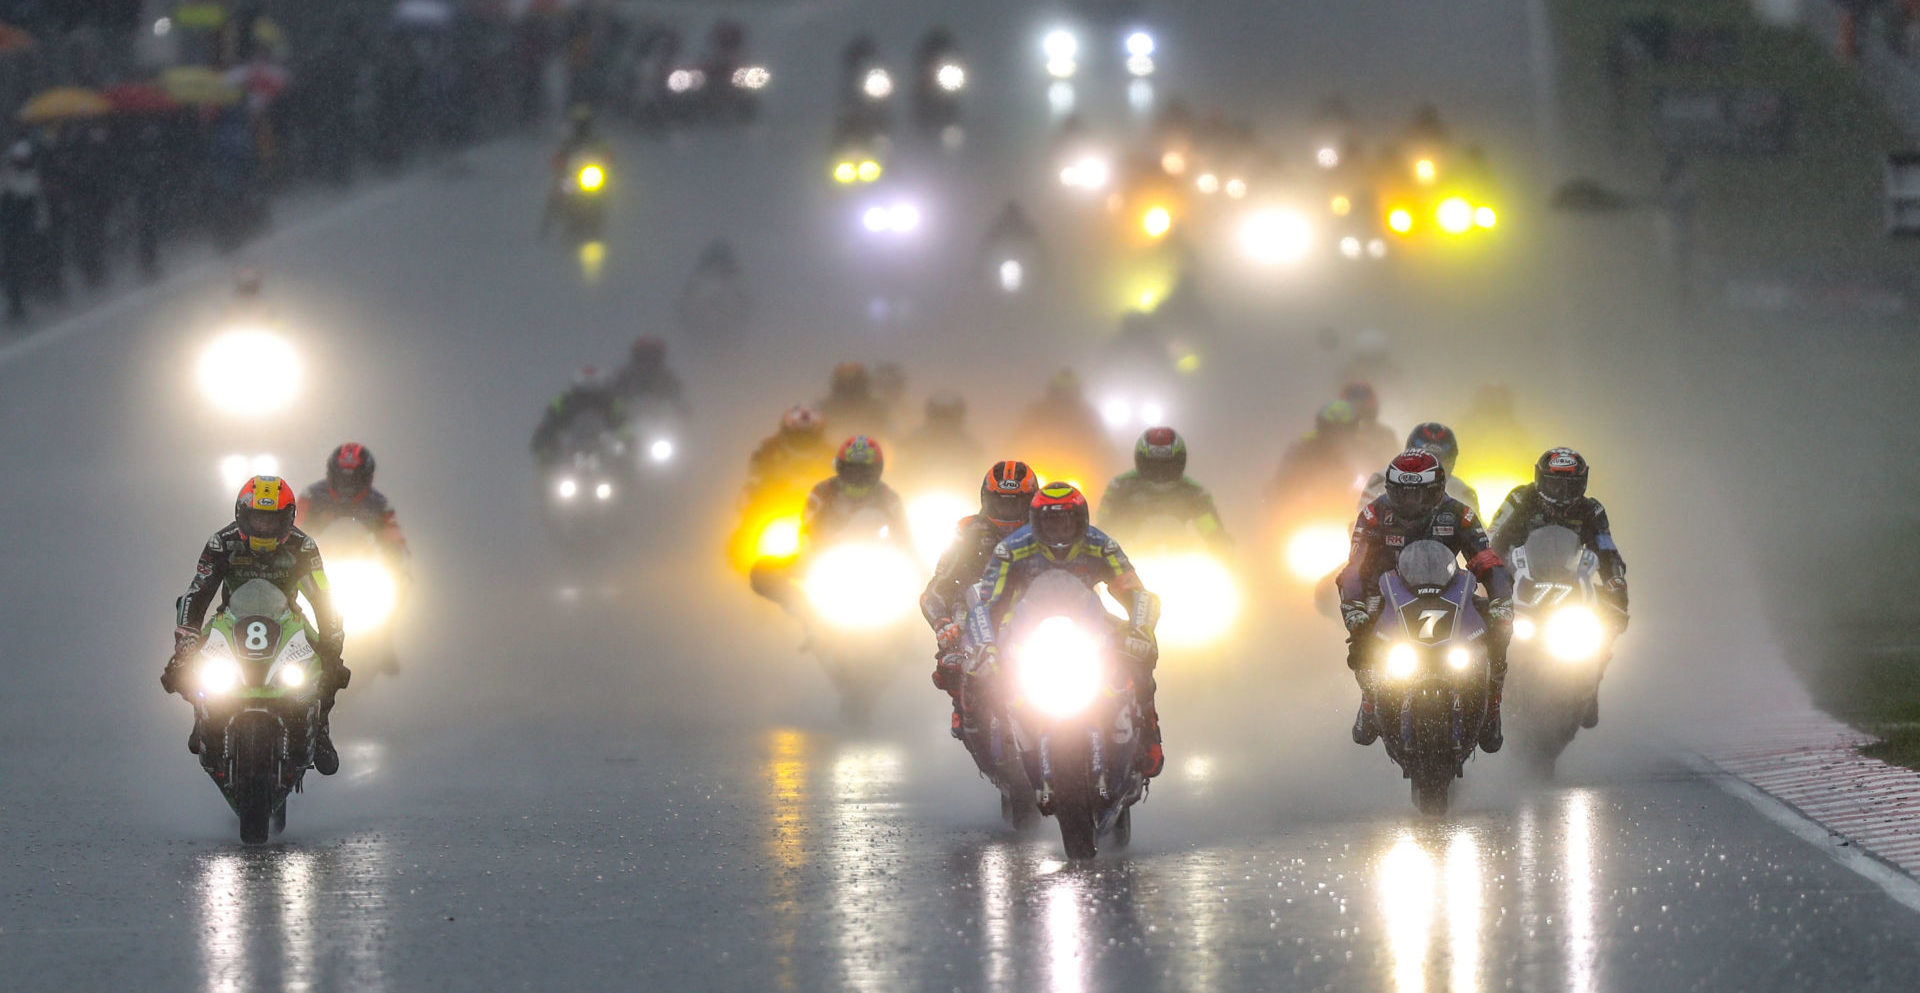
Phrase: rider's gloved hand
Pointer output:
(1355, 614)
(1140, 648)
(948, 671)
(1500, 610)
(947, 635)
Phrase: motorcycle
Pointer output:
(940, 77)
(655, 426)
(1431, 679)
(1561, 643)
(862, 588)
(365, 585)
(1311, 517)
(1199, 595)
(585, 486)
(581, 198)
(255, 695)
(1065, 732)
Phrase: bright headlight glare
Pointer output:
(592, 178)
(661, 450)
(751, 77)
(1199, 597)
(1402, 661)
(292, 677)
(933, 518)
(1316, 550)
(845, 172)
(1454, 215)
(951, 77)
(1117, 412)
(1523, 629)
(1276, 236)
(364, 592)
(862, 585)
(1013, 275)
(1060, 44)
(218, 674)
(1139, 43)
(1458, 658)
(878, 84)
(1156, 221)
(603, 491)
(1327, 156)
(1574, 634)
(868, 170)
(1485, 217)
(250, 371)
(779, 538)
(566, 489)
(1400, 220)
(1425, 171)
(1059, 667)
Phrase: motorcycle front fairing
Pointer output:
(1434, 622)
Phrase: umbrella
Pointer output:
(62, 104)
(199, 85)
(13, 40)
(139, 98)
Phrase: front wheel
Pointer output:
(1073, 806)
(1430, 791)
(256, 778)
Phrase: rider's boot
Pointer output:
(1366, 725)
(1490, 737)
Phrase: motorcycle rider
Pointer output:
(1328, 456)
(853, 488)
(263, 543)
(1064, 424)
(1376, 442)
(942, 442)
(646, 376)
(348, 494)
(1558, 496)
(1058, 535)
(714, 300)
(1439, 439)
(1416, 507)
(1159, 485)
(582, 139)
(590, 395)
(1006, 498)
(851, 405)
(798, 449)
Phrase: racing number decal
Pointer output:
(257, 636)
(1428, 618)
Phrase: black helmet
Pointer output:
(1437, 438)
(1160, 456)
(1560, 476)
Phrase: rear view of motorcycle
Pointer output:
(1430, 672)
(255, 693)
(1561, 643)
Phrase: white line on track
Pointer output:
(1896, 884)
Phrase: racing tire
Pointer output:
(1073, 807)
(256, 778)
(1430, 791)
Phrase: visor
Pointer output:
(1058, 528)
(1562, 489)
(275, 524)
(1415, 501)
(863, 475)
(1006, 506)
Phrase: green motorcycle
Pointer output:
(255, 688)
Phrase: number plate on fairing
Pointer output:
(258, 638)
(1429, 619)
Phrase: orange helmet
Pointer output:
(264, 510)
(1006, 495)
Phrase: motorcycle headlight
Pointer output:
(1402, 661)
(933, 516)
(219, 674)
(1459, 658)
(779, 538)
(592, 178)
(1485, 217)
(1574, 634)
(1060, 670)
(1454, 215)
(567, 489)
(224, 371)
(862, 586)
(1013, 275)
(878, 84)
(364, 592)
(1316, 550)
(951, 77)
(661, 450)
(1199, 598)
(751, 77)
(603, 491)
(292, 677)
(1523, 629)
(1276, 236)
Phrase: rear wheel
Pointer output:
(256, 778)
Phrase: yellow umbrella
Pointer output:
(199, 85)
(62, 104)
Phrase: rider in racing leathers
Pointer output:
(852, 406)
(798, 450)
(1376, 441)
(1006, 498)
(1158, 485)
(263, 543)
(1416, 507)
(854, 487)
(348, 494)
(589, 396)
(1058, 536)
(1558, 496)
(647, 377)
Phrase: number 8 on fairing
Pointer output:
(257, 636)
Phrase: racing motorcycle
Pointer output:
(255, 694)
(365, 583)
(940, 75)
(1199, 594)
(586, 485)
(581, 197)
(862, 589)
(1430, 674)
(1561, 643)
(1067, 727)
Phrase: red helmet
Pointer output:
(264, 510)
(1560, 476)
(858, 463)
(1006, 495)
(1160, 456)
(350, 469)
(800, 419)
(1059, 516)
(1416, 484)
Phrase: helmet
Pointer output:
(1006, 495)
(1365, 402)
(1059, 516)
(587, 377)
(1560, 476)
(858, 463)
(350, 469)
(800, 419)
(264, 510)
(1065, 385)
(648, 351)
(1160, 455)
(246, 283)
(946, 408)
(1416, 484)
(1436, 438)
(1334, 418)
(850, 379)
